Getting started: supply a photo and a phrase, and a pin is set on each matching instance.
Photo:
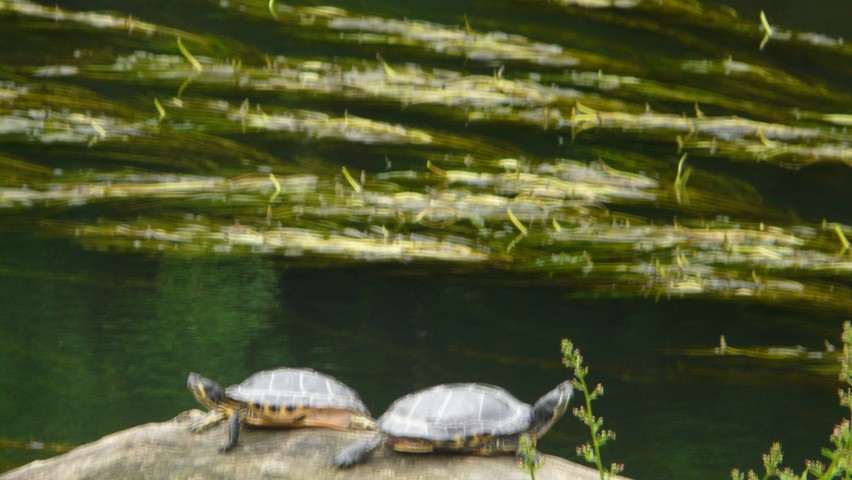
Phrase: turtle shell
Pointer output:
(449, 413)
(295, 388)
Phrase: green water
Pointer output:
(98, 337)
(94, 342)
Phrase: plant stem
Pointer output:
(592, 426)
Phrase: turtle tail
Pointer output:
(357, 452)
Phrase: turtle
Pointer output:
(470, 418)
(283, 397)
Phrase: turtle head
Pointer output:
(206, 391)
(550, 408)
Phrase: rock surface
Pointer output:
(169, 450)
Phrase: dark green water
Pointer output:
(92, 342)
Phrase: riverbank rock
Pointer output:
(169, 450)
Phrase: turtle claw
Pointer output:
(201, 423)
(350, 455)
(344, 460)
(196, 426)
(356, 452)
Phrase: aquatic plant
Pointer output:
(590, 451)
(529, 457)
(839, 459)
(341, 152)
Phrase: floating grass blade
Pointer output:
(843, 240)
(98, 128)
(196, 65)
(521, 228)
(277, 187)
(160, 110)
(680, 181)
(352, 182)
(766, 28)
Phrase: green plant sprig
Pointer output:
(529, 458)
(590, 451)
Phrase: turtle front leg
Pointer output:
(234, 424)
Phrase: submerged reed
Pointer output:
(223, 147)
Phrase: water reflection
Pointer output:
(92, 344)
(210, 311)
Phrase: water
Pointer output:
(95, 341)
